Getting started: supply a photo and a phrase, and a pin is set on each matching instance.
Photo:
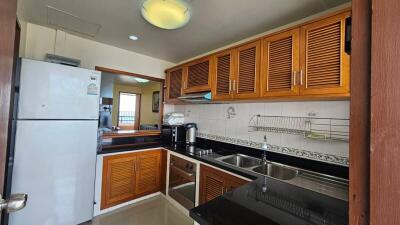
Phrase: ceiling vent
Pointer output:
(62, 60)
(70, 22)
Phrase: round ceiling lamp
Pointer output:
(166, 14)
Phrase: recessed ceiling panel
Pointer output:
(70, 22)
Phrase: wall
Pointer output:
(38, 40)
(147, 116)
(107, 86)
(213, 123)
(117, 89)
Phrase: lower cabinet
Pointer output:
(129, 176)
(214, 183)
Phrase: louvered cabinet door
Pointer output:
(246, 83)
(174, 85)
(212, 184)
(280, 64)
(197, 76)
(325, 64)
(148, 172)
(223, 75)
(118, 179)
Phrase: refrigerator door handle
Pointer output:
(15, 203)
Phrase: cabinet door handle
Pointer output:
(301, 77)
(135, 167)
(294, 83)
(222, 189)
(230, 86)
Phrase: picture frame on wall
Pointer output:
(156, 101)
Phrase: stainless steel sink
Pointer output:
(276, 171)
(239, 160)
(273, 170)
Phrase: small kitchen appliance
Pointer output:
(191, 132)
(173, 134)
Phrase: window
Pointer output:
(128, 111)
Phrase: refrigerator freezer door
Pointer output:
(55, 165)
(53, 91)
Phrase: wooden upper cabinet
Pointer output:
(247, 69)
(325, 65)
(307, 61)
(223, 72)
(197, 76)
(280, 64)
(148, 172)
(118, 179)
(174, 84)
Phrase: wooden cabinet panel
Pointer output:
(280, 64)
(246, 83)
(325, 65)
(148, 172)
(223, 71)
(214, 183)
(233, 182)
(129, 176)
(197, 76)
(163, 173)
(118, 179)
(174, 85)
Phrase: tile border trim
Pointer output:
(327, 158)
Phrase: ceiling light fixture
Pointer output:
(133, 37)
(141, 80)
(166, 14)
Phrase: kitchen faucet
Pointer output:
(264, 148)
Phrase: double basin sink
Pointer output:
(270, 169)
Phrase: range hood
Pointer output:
(197, 98)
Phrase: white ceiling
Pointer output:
(214, 23)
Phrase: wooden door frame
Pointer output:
(359, 145)
(8, 18)
(162, 85)
(385, 108)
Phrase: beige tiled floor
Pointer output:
(153, 211)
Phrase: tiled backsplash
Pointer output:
(220, 122)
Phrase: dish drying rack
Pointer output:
(310, 127)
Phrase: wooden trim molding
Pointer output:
(359, 145)
(162, 85)
(108, 70)
(8, 18)
(385, 108)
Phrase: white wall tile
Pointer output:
(212, 119)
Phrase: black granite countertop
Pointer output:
(268, 201)
(265, 200)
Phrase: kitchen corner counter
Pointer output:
(270, 202)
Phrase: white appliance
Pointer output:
(56, 141)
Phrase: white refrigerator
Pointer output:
(56, 143)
